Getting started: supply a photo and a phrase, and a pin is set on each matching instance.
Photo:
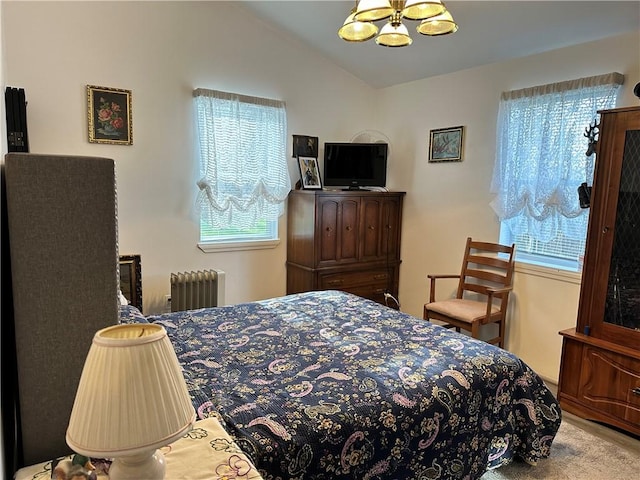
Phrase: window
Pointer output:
(540, 162)
(244, 179)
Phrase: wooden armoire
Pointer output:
(600, 368)
(344, 240)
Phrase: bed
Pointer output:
(312, 386)
(328, 385)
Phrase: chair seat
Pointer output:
(461, 309)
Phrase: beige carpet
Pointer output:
(576, 455)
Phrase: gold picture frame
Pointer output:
(131, 279)
(109, 115)
(446, 144)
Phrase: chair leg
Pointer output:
(501, 332)
(475, 330)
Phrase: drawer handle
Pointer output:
(335, 282)
(348, 228)
(371, 227)
(328, 229)
(380, 276)
(379, 290)
(636, 391)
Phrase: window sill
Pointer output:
(236, 246)
(552, 273)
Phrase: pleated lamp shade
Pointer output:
(132, 397)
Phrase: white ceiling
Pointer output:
(489, 32)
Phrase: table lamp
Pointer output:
(131, 400)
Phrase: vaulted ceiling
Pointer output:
(489, 32)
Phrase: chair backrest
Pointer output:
(486, 265)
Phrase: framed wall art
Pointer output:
(446, 144)
(109, 115)
(304, 146)
(131, 279)
(309, 173)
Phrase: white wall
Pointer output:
(161, 51)
(449, 201)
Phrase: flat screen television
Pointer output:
(355, 165)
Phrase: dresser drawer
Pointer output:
(346, 280)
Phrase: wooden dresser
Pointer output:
(600, 368)
(344, 240)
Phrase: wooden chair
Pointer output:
(486, 277)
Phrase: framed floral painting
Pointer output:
(109, 115)
(446, 144)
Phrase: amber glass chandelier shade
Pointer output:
(355, 31)
(442, 24)
(373, 10)
(421, 10)
(359, 26)
(394, 34)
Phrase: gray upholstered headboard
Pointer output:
(61, 229)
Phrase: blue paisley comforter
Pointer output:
(327, 385)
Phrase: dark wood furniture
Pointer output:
(486, 275)
(131, 279)
(600, 368)
(344, 240)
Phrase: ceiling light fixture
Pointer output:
(434, 18)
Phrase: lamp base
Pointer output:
(148, 466)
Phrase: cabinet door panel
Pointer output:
(607, 382)
(348, 235)
(371, 228)
(328, 215)
(390, 226)
(610, 291)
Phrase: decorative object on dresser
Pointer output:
(131, 400)
(344, 240)
(309, 173)
(600, 368)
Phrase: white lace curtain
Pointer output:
(243, 165)
(541, 152)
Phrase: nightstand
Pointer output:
(204, 453)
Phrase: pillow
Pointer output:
(122, 299)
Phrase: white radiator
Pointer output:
(191, 290)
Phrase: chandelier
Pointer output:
(434, 18)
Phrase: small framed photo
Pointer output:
(109, 115)
(446, 144)
(304, 146)
(309, 173)
(131, 279)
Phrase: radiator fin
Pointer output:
(200, 289)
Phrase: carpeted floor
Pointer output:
(576, 455)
